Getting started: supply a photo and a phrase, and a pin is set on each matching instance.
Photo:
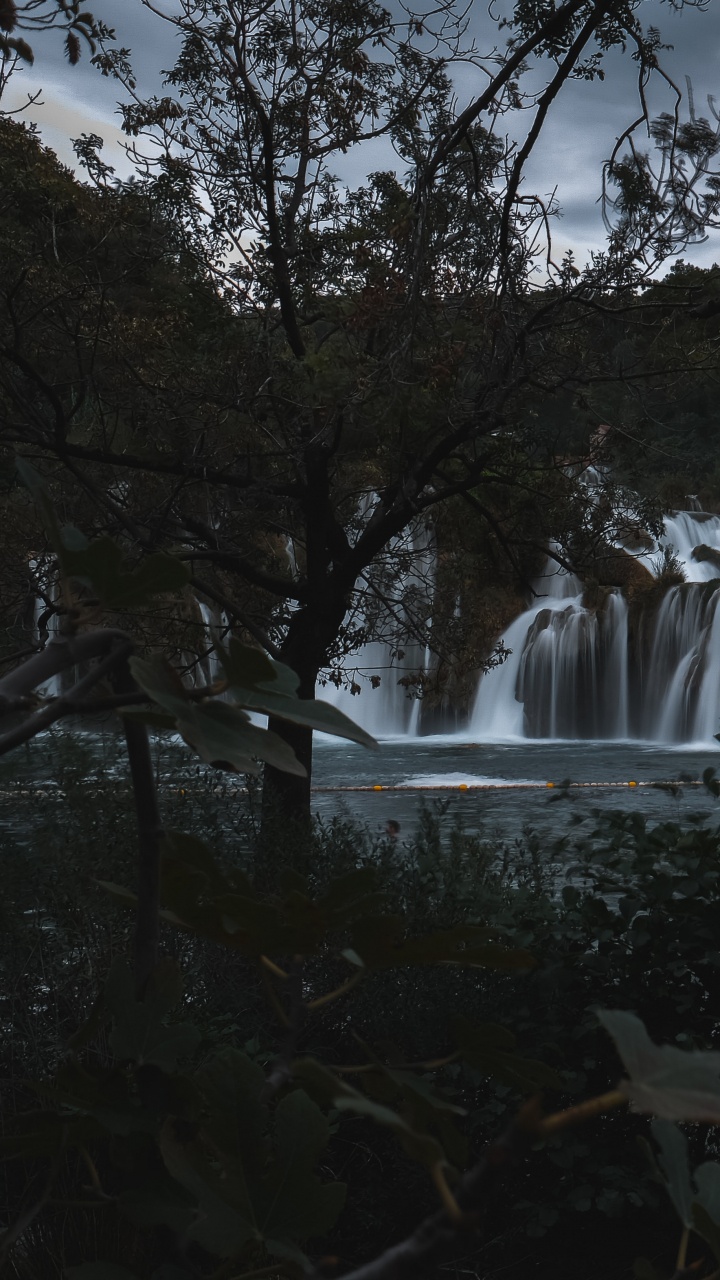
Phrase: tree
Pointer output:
(38, 16)
(395, 339)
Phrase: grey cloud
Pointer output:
(581, 131)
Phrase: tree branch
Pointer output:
(439, 1236)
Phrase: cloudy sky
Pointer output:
(586, 119)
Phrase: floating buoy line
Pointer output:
(43, 793)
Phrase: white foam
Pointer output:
(464, 780)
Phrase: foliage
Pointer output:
(577, 1188)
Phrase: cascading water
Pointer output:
(216, 627)
(398, 600)
(579, 673)
(573, 672)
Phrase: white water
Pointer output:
(572, 673)
(577, 674)
(398, 599)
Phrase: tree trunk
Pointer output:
(286, 798)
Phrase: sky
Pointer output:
(579, 134)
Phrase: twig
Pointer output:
(439, 1235)
(682, 1250)
(272, 967)
(430, 1064)
(338, 992)
(281, 1072)
(583, 1111)
(147, 920)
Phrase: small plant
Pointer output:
(667, 567)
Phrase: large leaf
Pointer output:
(246, 667)
(663, 1080)
(294, 1203)
(197, 856)
(219, 1222)
(232, 1087)
(490, 1048)
(103, 1094)
(260, 683)
(247, 1189)
(707, 1181)
(706, 1226)
(42, 1134)
(323, 1085)
(674, 1168)
(428, 1114)
(222, 735)
(139, 1032)
(225, 737)
(102, 567)
(224, 907)
(157, 1200)
(696, 1197)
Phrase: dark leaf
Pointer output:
(260, 683)
(102, 567)
(8, 15)
(72, 48)
(100, 1271)
(490, 1048)
(139, 1032)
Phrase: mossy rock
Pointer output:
(616, 568)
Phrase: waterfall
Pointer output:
(563, 659)
(215, 628)
(572, 671)
(579, 673)
(686, 665)
(694, 531)
(375, 684)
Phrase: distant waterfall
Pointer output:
(398, 602)
(577, 673)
